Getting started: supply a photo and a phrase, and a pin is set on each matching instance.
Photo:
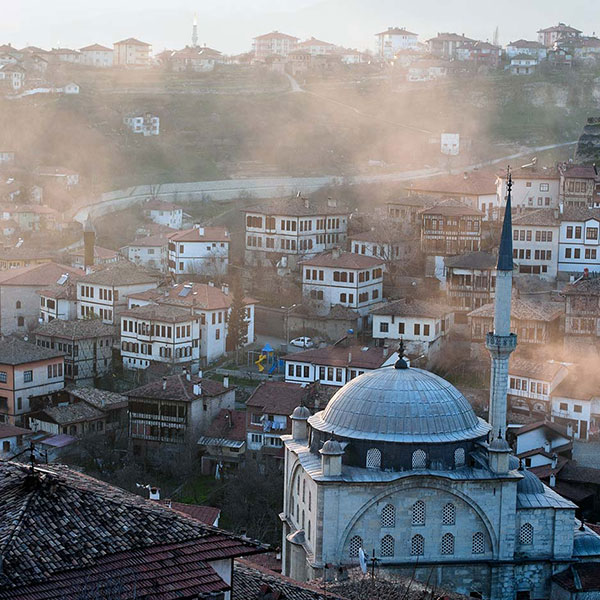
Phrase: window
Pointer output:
(356, 544)
(388, 516)
(449, 514)
(419, 459)
(387, 546)
(418, 513)
(459, 457)
(577, 408)
(20, 321)
(447, 546)
(373, 458)
(425, 330)
(478, 543)
(18, 304)
(591, 233)
(544, 187)
(401, 328)
(417, 329)
(384, 327)
(526, 534)
(2, 376)
(27, 376)
(417, 545)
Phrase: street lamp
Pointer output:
(287, 323)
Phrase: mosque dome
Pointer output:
(530, 484)
(301, 413)
(586, 543)
(405, 405)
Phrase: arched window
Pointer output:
(387, 545)
(447, 546)
(18, 304)
(417, 545)
(419, 459)
(459, 457)
(526, 534)
(356, 544)
(478, 545)
(373, 458)
(304, 490)
(449, 514)
(388, 516)
(418, 513)
(303, 517)
(298, 484)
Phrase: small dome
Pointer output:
(332, 448)
(499, 445)
(586, 543)
(400, 405)
(530, 484)
(301, 413)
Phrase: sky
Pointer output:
(230, 25)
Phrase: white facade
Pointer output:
(531, 391)
(57, 308)
(534, 190)
(145, 124)
(536, 248)
(97, 56)
(579, 245)
(523, 65)
(582, 413)
(393, 40)
(356, 288)
(169, 216)
(145, 254)
(199, 251)
(131, 53)
(533, 49)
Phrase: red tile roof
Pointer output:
(7, 431)
(178, 388)
(274, 35)
(210, 234)
(277, 397)
(205, 514)
(38, 275)
(201, 296)
(338, 356)
(583, 577)
(548, 424)
(579, 384)
(132, 42)
(95, 48)
(228, 424)
(343, 260)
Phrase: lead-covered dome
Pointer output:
(400, 405)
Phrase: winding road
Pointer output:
(229, 189)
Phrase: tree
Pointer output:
(237, 323)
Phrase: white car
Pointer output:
(302, 342)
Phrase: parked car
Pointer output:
(302, 342)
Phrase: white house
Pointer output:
(274, 43)
(132, 53)
(536, 242)
(421, 325)
(103, 293)
(530, 48)
(291, 229)
(345, 278)
(146, 124)
(579, 241)
(199, 250)
(164, 213)
(531, 383)
(59, 300)
(13, 77)
(316, 47)
(394, 39)
(523, 64)
(538, 443)
(97, 55)
(150, 251)
(159, 333)
(335, 365)
(533, 187)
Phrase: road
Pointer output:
(272, 187)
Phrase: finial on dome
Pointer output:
(401, 363)
(582, 526)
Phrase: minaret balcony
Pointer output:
(502, 344)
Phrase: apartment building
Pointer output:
(405, 211)
(164, 213)
(27, 373)
(286, 231)
(159, 334)
(131, 53)
(199, 250)
(579, 241)
(421, 325)
(273, 44)
(534, 322)
(87, 346)
(533, 187)
(470, 282)
(579, 185)
(395, 39)
(351, 280)
(174, 410)
(96, 55)
(529, 48)
(550, 35)
(445, 45)
(536, 242)
(151, 251)
(582, 314)
(531, 384)
(336, 365)
(103, 293)
(316, 47)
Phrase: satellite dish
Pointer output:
(363, 560)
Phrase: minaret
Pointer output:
(89, 242)
(501, 342)
(195, 32)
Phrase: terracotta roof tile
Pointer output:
(17, 352)
(209, 234)
(178, 388)
(298, 207)
(277, 397)
(343, 260)
(337, 356)
(38, 275)
(544, 371)
(411, 307)
(525, 310)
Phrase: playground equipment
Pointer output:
(277, 364)
(259, 362)
(265, 355)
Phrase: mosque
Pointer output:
(399, 467)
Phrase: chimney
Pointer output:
(336, 253)
(188, 375)
(349, 357)
(331, 202)
(385, 351)
(211, 283)
(552, 480)
(164, 383)
(199, 228)
(200, 374)
(197, 389)
(547, 446)
(89, 243)
(554, 460)
(154, 493)
(465, 175)
(557, 212)
(306, 203)
(226, 381)
(570, 430)
(225, 289)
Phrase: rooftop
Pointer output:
(343, 260)
(63, 532)
(543, 371)
(343, 356)
(541, 217)
(583, 286)
(396, 31)
(228, 425)
(102, 399)
(579, 384)
(119, 274)
(38, 275)
(555, 427)
(199, 295)
(178, 387)
(472, 260)
(277, 397)
(473, 183)
(68, 413)
(452, 210)
(525, 310)
(201, 234)
(298, 207)
(275, 35)
(132, 42)
(161, 312)
(409, 307)
(77, 329)
(17, 352)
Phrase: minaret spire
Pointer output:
(501, 342)
(195, 32)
